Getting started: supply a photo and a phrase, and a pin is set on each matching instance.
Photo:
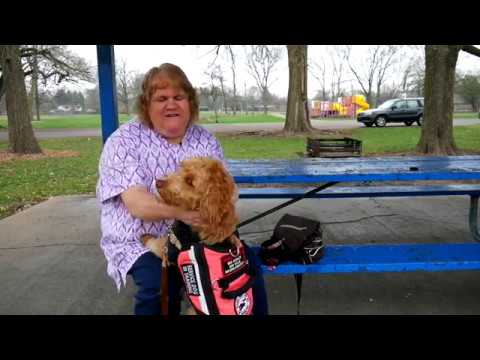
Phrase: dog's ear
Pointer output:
(215, 209)
(216, 202)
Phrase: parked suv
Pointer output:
(408, 111)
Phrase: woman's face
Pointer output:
(169, 112)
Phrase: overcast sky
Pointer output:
(194, 60)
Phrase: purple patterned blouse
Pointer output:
(137, 155)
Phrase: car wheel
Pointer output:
(420, 120)
(381, 121)
(368, 124)
(408, 123)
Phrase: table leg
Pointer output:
(473, 219)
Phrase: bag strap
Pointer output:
(294, 200)
(234, 293)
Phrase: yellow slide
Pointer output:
(360, 101)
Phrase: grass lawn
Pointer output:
(93, 121)
(24, 182)
(467, 115)
(65, 121)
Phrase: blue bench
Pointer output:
(383, 258)
(380, 257)
(387, 258)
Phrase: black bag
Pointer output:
(294, 238)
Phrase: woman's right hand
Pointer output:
(191, 218)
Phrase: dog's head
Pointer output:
(204, 185)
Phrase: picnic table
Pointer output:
(322, 178)
(371, 172)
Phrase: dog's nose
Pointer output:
(160, 183)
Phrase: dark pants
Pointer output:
(147, 272)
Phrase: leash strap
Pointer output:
(289, 202)
(164, 298)
(298, 281)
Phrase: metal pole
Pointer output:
(107, 90)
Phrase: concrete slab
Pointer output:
(51, 263)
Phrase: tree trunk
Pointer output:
(298, 119)
(126, 101)
(20, 131)
(265, 100)
(2, 85)
(235, 100)
(437, 129)
(377, 96)
(225, 108)
(35, 97)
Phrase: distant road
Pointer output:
(319, 124)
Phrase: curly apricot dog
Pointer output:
(204, 185)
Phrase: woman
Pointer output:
(134, 156)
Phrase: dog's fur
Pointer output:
(204, 185)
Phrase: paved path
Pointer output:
(319, 124)
(51, 262)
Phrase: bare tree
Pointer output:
(234, 78)
(412, 71)
(437, 130)
(49, 64)
(468, 88)
(298, 119)
(338, 70)
(136, 84)
(92, 99)
(261, 60)
(214, 90)
(20, 132)
(124, 84)
(386, 59)
(34, 98)
(319, 72)
(218, 73)
(372, 70)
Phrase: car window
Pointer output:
(387, 104)
(401, 104)
(412, 104)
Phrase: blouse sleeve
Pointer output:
(119, 169)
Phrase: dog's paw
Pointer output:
(190, 311)
(158, 246)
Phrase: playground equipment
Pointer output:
(346, 106)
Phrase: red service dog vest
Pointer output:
(217, 281)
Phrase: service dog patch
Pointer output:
(190, 279)
(232, 263)
(242, 304)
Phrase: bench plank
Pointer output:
(357, 169)
(360, 191)
(388, 258)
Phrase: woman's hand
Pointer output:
(191, 218)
